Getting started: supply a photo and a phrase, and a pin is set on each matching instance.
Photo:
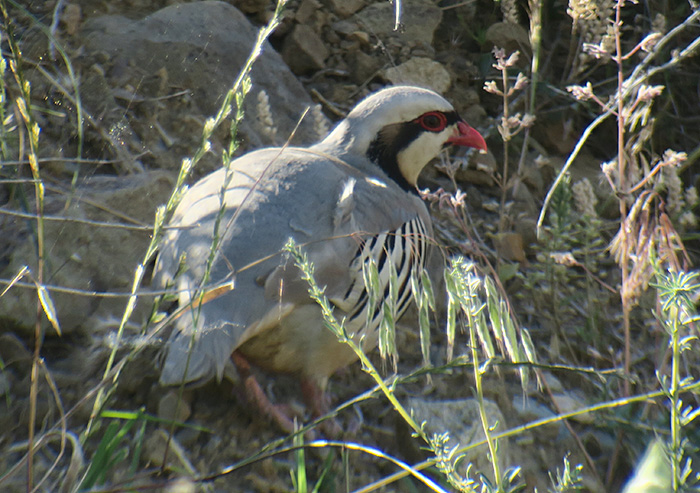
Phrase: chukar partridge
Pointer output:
(349, 197)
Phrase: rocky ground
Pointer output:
(145, 76)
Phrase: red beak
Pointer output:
(468, 137)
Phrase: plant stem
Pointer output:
(506, 140)
(317, 294)
(23, 103)
(480, 398)
(625, 292)
(674, 392)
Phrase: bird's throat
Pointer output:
(386, 150)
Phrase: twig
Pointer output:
(636, 78)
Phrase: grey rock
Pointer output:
(363, 66)
(252, 6)
(14, 353)
(420, 71)
(304, 50)
(345, 27)
(84, 255)
(5, 383)
(420, 19)
(306, 11)
(570, 402)
(201, 46)
(172, 407)
(461, 419)
(509, 36)
(344, 8)
(530, 409)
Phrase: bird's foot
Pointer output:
(282, 416)
(278, 414)
(319, 402)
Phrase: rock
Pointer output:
(70, 18)
(344, 28)
(181, 485)
(478, 169)
(251, 6)
(511, 37)
(99, 97)
(554, 384)
(529, 409)
(201, 46)
(14, 353)
(83, 255)
(361, 37)
(475, 113)
(155, 446)
(5, 384)
(172, 408)
(304, 50)
(510, 246)
(306, 11)
(362, 66)
(461, 419)
(569, 402)
(422, 72)
(420, 19)
(344, 8)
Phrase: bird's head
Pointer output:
(401, 129)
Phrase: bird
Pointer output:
(350, 199)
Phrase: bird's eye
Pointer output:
(433, 121)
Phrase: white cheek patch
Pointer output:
(421, 151)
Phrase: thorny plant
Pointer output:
(590, 26)
(651, 195)
(44, 305)
(572, 238)
(568, 479)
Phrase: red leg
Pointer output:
(319, 402)
(256, 395)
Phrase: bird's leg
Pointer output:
(255, 394)
(319, 403)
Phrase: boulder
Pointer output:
(461, 419)
(420, 19)
(175, 67)
(304, 50)
(344, 8)
(420, 71)
(81, 253)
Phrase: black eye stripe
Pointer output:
(395, 137)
